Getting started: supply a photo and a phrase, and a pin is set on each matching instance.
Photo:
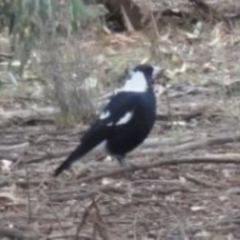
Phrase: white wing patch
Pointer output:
(104, 115)
(136, 83)
(125, 119)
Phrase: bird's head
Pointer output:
(150, 72)
(142, 77)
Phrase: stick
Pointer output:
(202, 143)
(149, 144)
(17, 234)
(214, 159)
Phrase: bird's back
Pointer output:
(130, 135)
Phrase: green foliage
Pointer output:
(45, 25)
(29, 20)
(78, 13)
(6, 13)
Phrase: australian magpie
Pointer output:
(125, 121)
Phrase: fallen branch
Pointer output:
(16, 234)
(147, 148)
(99, 223)
(184, 116)
(85, 193)
(69, 236)
(44, 115)
(84, 219)
(80, 195)
(28, 113)
(196, 144)
(13, 152)
(20, 147)
(10, 156)
(213, 159)
(201, 182)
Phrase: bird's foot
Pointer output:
(126, 166)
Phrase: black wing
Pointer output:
(104, 127)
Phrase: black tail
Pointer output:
(79, 152)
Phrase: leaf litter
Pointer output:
(172, 202)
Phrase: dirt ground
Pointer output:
(198, 120)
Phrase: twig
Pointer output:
(174, 161)
(84, 220)
(29, 202)
(28, 113)
(17, 147)
(185, 116)
(201, 143)
(201, 182)
(178, 221)
(99, 223)
(57, 218)
(69, 236)
(78, 195)
(127, 21)
(67, 195)
(147, 148)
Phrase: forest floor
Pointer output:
(187, 185)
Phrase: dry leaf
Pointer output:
(8, 197)
(5, 165)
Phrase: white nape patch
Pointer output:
(104, 115)
(125, 119)
(136, 83)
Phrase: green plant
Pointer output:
(29, 20)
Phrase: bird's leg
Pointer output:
(124, 165)
(121, 160)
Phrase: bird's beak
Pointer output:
(157, 71)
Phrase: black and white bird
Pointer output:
(125, 122)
